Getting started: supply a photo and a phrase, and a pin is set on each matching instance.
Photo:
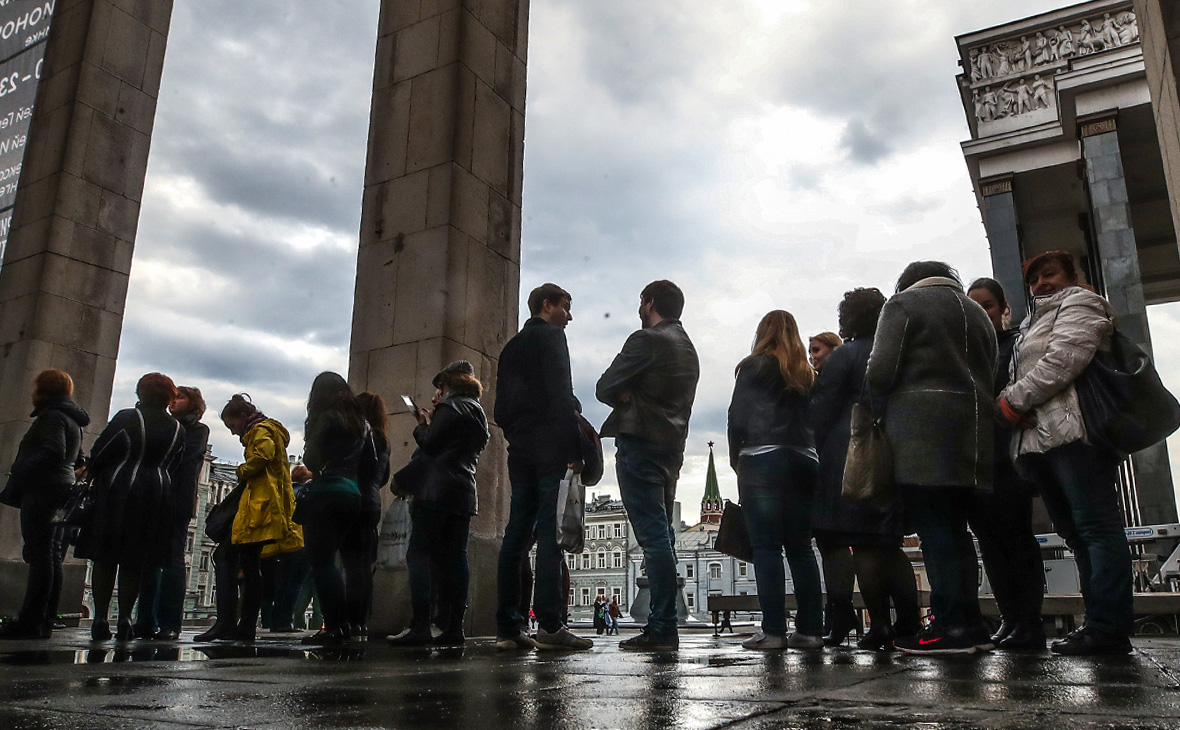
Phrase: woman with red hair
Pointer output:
(130, 465)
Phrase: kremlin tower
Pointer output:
(712, 506)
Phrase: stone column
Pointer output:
(64, 278)
(1003, 235)
(439, 263)
(1159, 27)
(1123, 285)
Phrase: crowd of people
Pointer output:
(980, 417)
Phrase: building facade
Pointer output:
(602, 567)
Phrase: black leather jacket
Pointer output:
(457, 433)
(658, 368)
(535, 402)
(374, 472)
(50, 448)
(764, 413)
(332, 449)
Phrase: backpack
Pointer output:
(592, 461)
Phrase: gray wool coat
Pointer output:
(932, 372)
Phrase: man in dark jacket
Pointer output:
(535, 407)
(651, 385)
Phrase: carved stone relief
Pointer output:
(1000, 71)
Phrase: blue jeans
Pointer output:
(533, 512)
(776, 491)
(647, 479)
(1078, 483)
(939, 515)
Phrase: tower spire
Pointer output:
(712, 505)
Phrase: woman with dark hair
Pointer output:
(131, 465)
(1077, 480)
(930, 378)
(857, 541)
(449, 440)
(335, 437)
(161, 602)
(820, 346)
(358, 553)
(39, 484)
(773, 452)
(262, 520)
(1002, 520)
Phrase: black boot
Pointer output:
(219, 630)
(844, 621)
(878, 638)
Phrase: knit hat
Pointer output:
(459, 366)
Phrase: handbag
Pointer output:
(571, 513)
(393, 543)
(1124, 404)
(410, 478)
(220, 520)
(13, 492)
(868, 469)
(733, 538)
(79, 507)
(592, 460)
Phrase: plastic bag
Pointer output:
(571, 513)
(394, 539)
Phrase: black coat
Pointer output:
(658, 368)
(933, 369)
(763, 412)
(332, 448)
(49, 451)
(839, 386)
(186, 471)
(131, 466)
(451, 443)
(535, 403)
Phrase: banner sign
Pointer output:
(24, 28)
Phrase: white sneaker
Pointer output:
(520, 642)
(805, 641)
(763, 641)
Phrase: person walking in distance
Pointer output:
(536, 408)
(650, 386)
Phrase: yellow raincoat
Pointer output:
(264, 512)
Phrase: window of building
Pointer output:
(585, 596)
(601, 558)
(618, 529)
(204, 561)
(691, 600)
(571, 561)
(715, 570)
(587, 532)
(571, 596)
(617, 593)
(617, 560)
(586, 560)
(690, 571)
(601, 591)
(741, 569)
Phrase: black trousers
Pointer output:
(358, 554)
(1002, 521)
(228, 561)
(438, 539)
(44, 551)
(328, 517)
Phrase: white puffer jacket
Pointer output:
(1057, 341)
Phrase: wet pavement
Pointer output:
(710, 683)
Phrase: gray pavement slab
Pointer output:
(69, 683)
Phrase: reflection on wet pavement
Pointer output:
(279, 683)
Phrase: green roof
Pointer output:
(712, 488)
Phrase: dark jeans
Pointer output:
(161, 595)
(327, 518)
(298, 571)
(1079, 485)
(1002, 521)
(44, 551)
(939, 514)
(776, 491)
(358, 553)
(228, 561)
(437, 559)
(647, 476)
(533, 511)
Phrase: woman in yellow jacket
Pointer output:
(262, 526)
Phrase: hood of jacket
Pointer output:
(66, 406)
(278, 432)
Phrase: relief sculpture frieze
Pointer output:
(1014, 76)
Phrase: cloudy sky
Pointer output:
(761, 153)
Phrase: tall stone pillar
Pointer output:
(64, 278)
(1159, 27)
(1123, 285)
(439, 263)
(1003, 235)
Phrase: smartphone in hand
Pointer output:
(410, 403)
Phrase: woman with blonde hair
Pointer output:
(773, 451)
(820, 346)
